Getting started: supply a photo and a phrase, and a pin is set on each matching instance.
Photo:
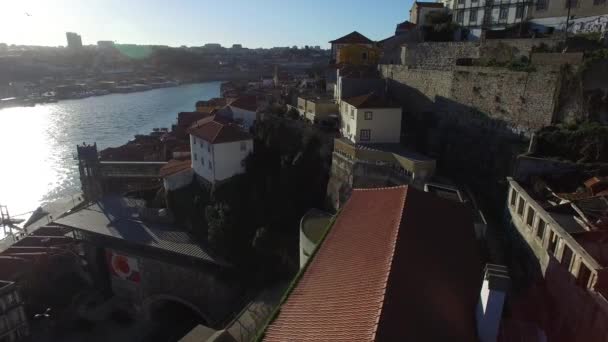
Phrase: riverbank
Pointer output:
(43, 138)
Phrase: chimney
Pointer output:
(496, 283)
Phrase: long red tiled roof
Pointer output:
(246, 102)
(398, 264)
(175, 166)
(185, 119)
(216, 130)
(352, 38)
(370, 100)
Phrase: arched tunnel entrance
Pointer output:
(171, 318)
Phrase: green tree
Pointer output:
(221, 231)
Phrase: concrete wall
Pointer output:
(437, 56)
(586, 24)
(178, 180)
(247, 116)
(350, 87)
(202, 154)
(557, 8)
(216, 162)
(229, 157)
(385, 125)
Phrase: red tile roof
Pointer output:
(398, 264)
(246, 102)
(370, 100)
(175, 166)
(186, 119)
(214, 102)
(217, 130)
(353, 38)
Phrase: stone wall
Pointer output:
(521, 47)
(417, 89)
(437, 56)
(525, 101)
(556, 58)
(522, 101)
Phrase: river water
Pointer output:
(38, 144)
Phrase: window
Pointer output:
(520, 207)
(208, 147)
(364, 56)
(519, 12)
(473, 16)
(195, 157)
(542, 5)
(202, 143)
(202, 161)
(369, 115)
(567, 256)
(348, 128)
(584, 274)
(210, 167)
(599, 2)
(552, 242)
(352, 112)
(513, 197)
(571, 3)
(504, 12)
(194, 140)
(540, 231)
(460, 16)
(461, 2)
(365, 134)
(530, 217)
(243, 145)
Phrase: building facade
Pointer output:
(420, 10)
(566, 241)
(218, 149)
(488, 14)
(315, 109)
(13, 321)
(74, 40)
(370, 119)
(353, 38)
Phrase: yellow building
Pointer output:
(358, 55)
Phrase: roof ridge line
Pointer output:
(392, 258)
(383, 188)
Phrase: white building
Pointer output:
(218, 148)
(370, 119)
(176, 174)
(493, 15)
(244, 110)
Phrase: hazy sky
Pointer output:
(253, 23)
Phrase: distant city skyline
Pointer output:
(263, 23)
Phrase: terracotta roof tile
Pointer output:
(185, 119)
(352, 38)
(175, 166)
(370, 101)
(245, 102)
(216, 130)
(397, 265)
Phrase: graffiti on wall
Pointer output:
(123, 267)
(589, 25)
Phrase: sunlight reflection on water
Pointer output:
(37, 144)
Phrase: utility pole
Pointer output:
(568, 16)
